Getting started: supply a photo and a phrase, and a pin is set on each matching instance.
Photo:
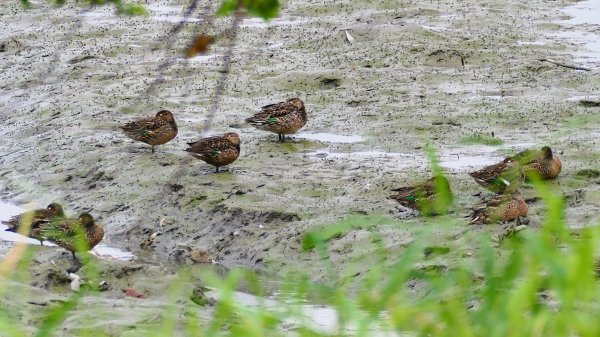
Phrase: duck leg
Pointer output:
(75, 266)
(281, 137)
(152, 148)
(217, 170)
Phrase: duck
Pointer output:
(506, 207)
(542, 164)
(431, 197)
(499, 178)
(153, 131)
(282, 118)
(216, 150)
(75, 235)
(52, 212)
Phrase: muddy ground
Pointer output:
(418, 73)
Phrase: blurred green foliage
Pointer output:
(481, 139)
(266, 9)
(541, 282)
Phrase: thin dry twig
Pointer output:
(560, 64)
(68, 38)
(237, 19)
(207, 20)
(179, 26)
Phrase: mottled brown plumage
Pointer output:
(53, 212)
(153, 131)
(499, 178)
(74, 235)
(538, 163)
(505, 207)
(217, 150)
(431, 197)
(282, 118)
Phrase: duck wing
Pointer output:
(144, 130)
(270, 113)
(210, 146)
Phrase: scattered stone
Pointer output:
(175, 187)
(329, 83)
(130, 292)
(149, 240)
(201, 256)
(103, 286)
(589, 103)
(75, 281)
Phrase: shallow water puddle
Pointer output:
(531, 43)
(469, 157)
(201, 58)
(260, 23)
(459, 161)
(100, 16)
(361, 154)
(318, 317)
(584, 13)
(329, 137)
(8, 210)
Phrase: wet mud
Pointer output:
(416, 75)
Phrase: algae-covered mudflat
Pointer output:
(458, 80)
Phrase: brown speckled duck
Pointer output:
(282, 118)
(499, 208)
(74, 235)
(154, 131)
(499, 178)
(539, 163)
(217, 150)
(51, 213)
(433, 196)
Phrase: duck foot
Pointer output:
(75, 266)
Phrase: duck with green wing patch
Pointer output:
(541, 164)
(499, 178)
(74, 235)
(430, 197)
(504, 207)
(51, 213)
(282, 118)
(153, 131)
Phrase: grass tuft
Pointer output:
(481, 139)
